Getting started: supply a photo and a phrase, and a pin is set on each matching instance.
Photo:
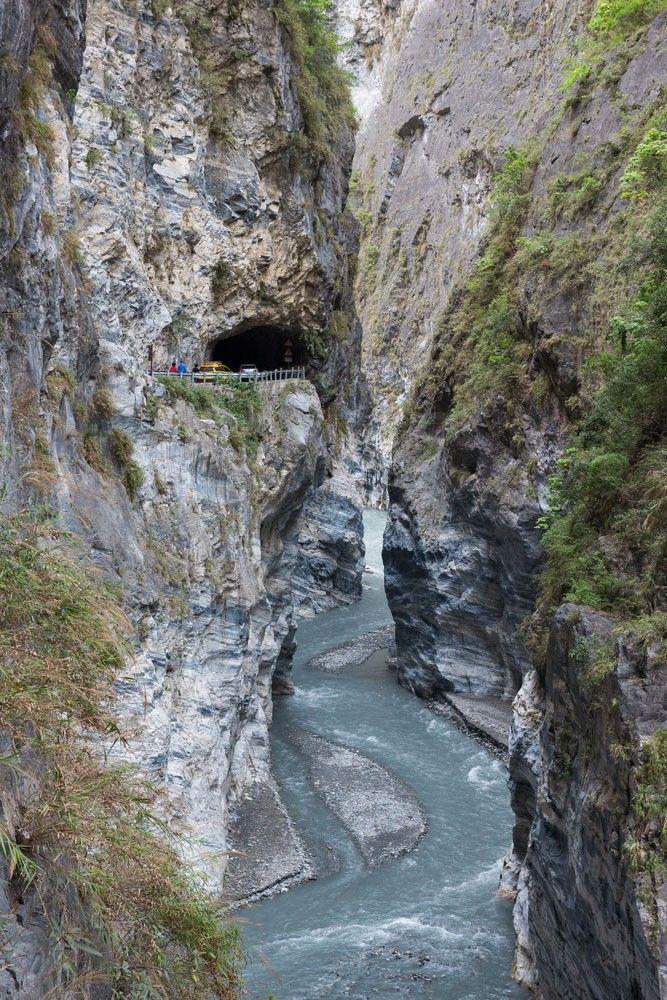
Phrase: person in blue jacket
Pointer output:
(182, 368)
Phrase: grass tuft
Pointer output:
(133, 479)
(121, 447)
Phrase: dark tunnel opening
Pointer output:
(268, 347)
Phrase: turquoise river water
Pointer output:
(427, 925)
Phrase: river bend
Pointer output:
(427, 924)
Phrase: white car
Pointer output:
(248, 371)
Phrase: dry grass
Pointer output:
(119, 904)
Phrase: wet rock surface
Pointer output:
(460, 571)
(380, 812)
(487, 720)
(329, 568)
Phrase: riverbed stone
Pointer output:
(486, 719)
(266, 854)
(351, 654)
(382, 813)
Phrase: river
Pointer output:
(427, 925)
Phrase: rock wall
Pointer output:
(217, 532)
(581, 930)
(152, 204)
(460, 571)
(196, 224)
(459, 275)
(460, 558)
(432, 134)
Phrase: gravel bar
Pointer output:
(351, 654)
(486, 719)
(381, 813)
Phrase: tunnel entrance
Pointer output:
(268, 347)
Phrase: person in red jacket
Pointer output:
(174, 368)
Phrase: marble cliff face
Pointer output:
(150, 210)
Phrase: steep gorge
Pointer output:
(171, 179)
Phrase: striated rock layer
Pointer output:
(152, 204)
(495, 252)
(580, 929)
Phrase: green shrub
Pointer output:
(120, 447)
(510, 195)
(544, 252)
(605, 47)
(236, 439)
(650, 805)
(122, 120)
(576, 571)
(133, 479)
(218, 66)
(184, 434)
(242, 400)
(151, 409)
(59, 382)
(9, 64)
(429, 451)
(612, 15)
(571, 193)
(579, 73)
(477, 340)
(27, 120)
(534, 250)
(598, 484)
(93, 157)
(102, 406)
(647, 167)
(596, 657)
(93, 455)
(613, 478)
(323, 88)
(34, 129)
(72, 249)
(588, 189)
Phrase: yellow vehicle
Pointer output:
(210, 371)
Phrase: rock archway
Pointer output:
(268, 347)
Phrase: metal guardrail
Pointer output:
(225, 378)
